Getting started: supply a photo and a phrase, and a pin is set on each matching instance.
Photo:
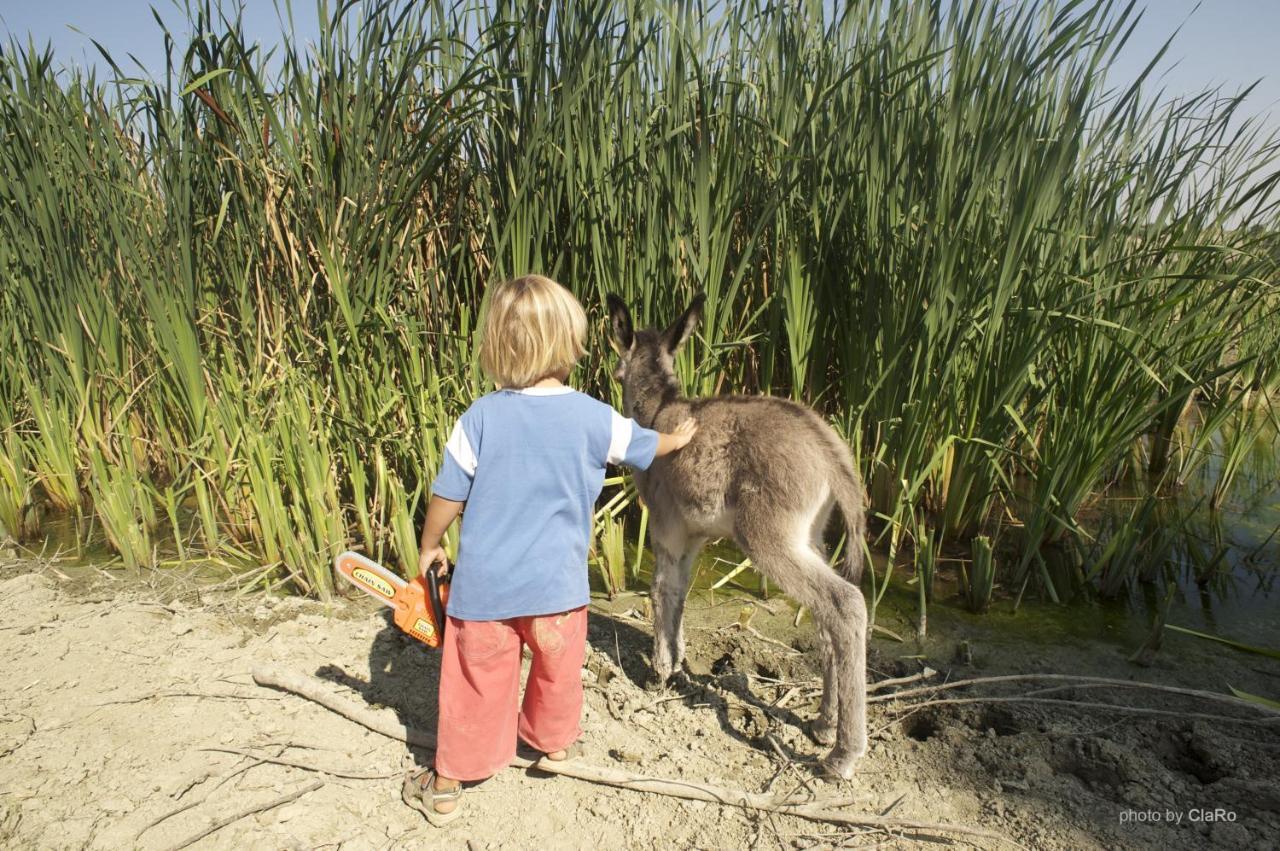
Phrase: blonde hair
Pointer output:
(533, 328)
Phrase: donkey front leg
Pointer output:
(673, 559)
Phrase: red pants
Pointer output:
(480, 708)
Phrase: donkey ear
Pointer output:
(623, 336)
(674, 337)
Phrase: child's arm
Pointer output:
(440, 513)
(669, 442)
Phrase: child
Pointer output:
(528, 461)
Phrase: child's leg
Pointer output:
(479, 693)
(552, 709)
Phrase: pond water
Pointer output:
(1226, 562)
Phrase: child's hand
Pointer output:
(672, 441)
(685, 432)
(433, 559)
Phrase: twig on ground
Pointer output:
(1079, 681)
(402, 840)
(248, 811)
(1110, 707)
(901, 681)
(379, 721)
(760, 820)
(894, 805)
(25, 736)
(335, 772)
(887, 633)
(170, 814)
(875, 734)
(200, 694)
(191, 784)
(774, 681)
(781, 703)
(240, 768)
(783, 766)
(744, 627)
(771, 608)
(613, 710)
(649, 707)
(383, 721)
(829, 838)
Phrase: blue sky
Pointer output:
(1222, 42)
(126, 27)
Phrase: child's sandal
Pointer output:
(574, 751)
(419, 791)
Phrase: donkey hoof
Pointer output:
(659, 681)
(823, 734)
(838, 766)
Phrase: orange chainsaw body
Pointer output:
(418, 605)
(413, 612)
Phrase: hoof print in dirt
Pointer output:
(749, 722)
(996, 721)
(730, 677)
(1197, 753)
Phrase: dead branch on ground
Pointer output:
(383, 721)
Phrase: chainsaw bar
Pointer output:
(369, 576)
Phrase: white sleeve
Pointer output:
(459, 447)
(619, 438)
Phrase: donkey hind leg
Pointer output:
(673, 560)
(824, 726)
(840, 612)
(851, 668)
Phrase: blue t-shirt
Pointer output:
(530, 464)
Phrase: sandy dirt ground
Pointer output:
(129, 720)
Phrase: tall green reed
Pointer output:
(258, 274)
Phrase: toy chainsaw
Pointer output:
(419, 603)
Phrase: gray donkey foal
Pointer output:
(765, 472)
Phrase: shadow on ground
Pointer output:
(405, 676)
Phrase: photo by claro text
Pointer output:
(1193, 815)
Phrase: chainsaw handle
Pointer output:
(435, 583)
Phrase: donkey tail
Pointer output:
(850, 498)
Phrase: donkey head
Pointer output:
(646, 358)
